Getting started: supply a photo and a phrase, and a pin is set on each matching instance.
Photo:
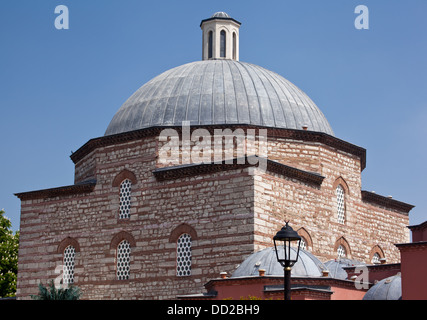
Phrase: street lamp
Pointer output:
(287, 235)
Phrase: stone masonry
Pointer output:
(230, 211)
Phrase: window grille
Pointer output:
(340, 204)
(68, 265)
(125, 195)
(183, 252)
(341, 252)
(376, 258)
(303, 244)
(123, 260)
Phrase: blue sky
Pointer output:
(60, 88)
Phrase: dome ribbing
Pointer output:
(218, 92)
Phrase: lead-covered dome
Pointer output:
(386, 289)
(218, 92)
(306, 266)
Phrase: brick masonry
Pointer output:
(229, 214)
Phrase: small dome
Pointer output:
(387, 289)
(220, 14)
(306, 266)
(336, 270)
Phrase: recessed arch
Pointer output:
(376, 250)
(123, 175)
(344, 243)
(182, 228)
(340, 181)
(69, 241)
(306, 236)
(119, 237)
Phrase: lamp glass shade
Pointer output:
(285, 256)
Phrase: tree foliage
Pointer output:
(8, 257)
(53, 293)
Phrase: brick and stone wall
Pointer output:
(229, 212)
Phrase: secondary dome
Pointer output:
(220, 91)
(336, 267)
(306, 266)
(386, 289)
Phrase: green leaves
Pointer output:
(53, 293)
(9, 243)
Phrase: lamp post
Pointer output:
(286, 235)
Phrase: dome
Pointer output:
(387, 289)
(220, 15)
(306, 266)
(217, 92)
(336, 267)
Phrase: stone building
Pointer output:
(135, 226)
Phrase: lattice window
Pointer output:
(340, 204)
(125, 198)
(68, 265)
(376, 258)
(341, 253)
(183, 255)
(303, 244)
(123, 260)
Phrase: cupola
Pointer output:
(220, 37)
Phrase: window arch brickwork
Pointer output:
(376, 250)
(125, 174)
(119, 237)
(340, 181)
(68, 242)
(182, 228)
(344, 244)
(307, 238)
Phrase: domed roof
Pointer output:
(219, 92)
(387, 289)
(220, 14)
(336, 270)
(306, 266)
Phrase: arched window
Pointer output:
(234, 46)
(306, 241)
(210, 44)
(222, 44)
(68, 265)
(376, 254)
(183, 255)
(341, 252)
(125, 199)
(340, 204)
(123, 260)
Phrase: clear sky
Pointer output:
(60, 88)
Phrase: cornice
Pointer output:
(293, 134)
(181, 171)
(387, 202)
(80, 188)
